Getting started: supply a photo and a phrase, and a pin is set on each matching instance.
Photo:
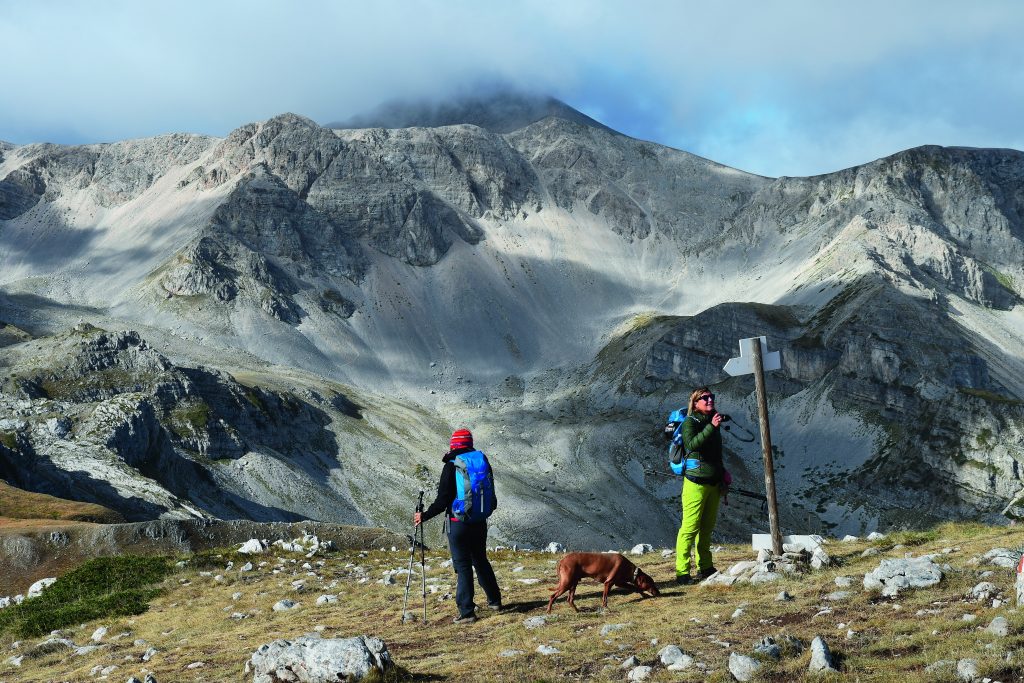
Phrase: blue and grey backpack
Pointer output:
(474, 488)
(678, 459)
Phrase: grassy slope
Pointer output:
(24, 508)
(891, 641)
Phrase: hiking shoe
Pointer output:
(465, 619)
(707, 573)
(494, 606)
(684, 580)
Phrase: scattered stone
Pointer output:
(838, 595)
(642, 549)
(327, 600)
(236, 596)
(554, 548)
(247, 567)
(282, 605)
(844, 581)
(850, 539)
(738, 613)
(998, 627)
(37, 588)
(820, 559)
(969, 618)
(768, 647)
(49, 646)
(149, 654)
(320, 659)
(967, 670)
(983, 591)
(821, 657)
(547, 650)
(630, 662)
(511, 653)
(99, 634)
(871, 552)
(1001, 557)
(198, 665)
(640, 673)
(742, 667)
(612, 628)
(875, 536)
(892, 576)
(666, 553)
(535, 622)
(253, 546)
(783, 597)
(16, 660)
(529, 582)
(672, 654)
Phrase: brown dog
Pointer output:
(611, 569)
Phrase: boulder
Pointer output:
(37, 588)
(821, 657)
(742, 667)
(319, 660)
(554, 547)
(892, 576)
(641, 549)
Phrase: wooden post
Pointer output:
(766, 447)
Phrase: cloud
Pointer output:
(794, 88)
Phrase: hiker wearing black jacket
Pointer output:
(466, 540)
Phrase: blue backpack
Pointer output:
(678, 458)
(474, 488)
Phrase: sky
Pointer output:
(776, 88)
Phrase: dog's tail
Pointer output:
(558, 572)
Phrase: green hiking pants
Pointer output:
(700, 511)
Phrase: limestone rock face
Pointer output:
(553, 281)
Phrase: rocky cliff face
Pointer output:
(552, 283)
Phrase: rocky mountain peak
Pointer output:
(499, 112)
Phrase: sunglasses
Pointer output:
(707, 397)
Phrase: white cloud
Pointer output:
(743, 80)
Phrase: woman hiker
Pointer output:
(704, 484)
(467, 524)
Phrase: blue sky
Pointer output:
(776, 88)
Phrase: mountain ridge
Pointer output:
(433, 272)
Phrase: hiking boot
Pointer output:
(684, 580)
(494, 606)
(707, 573)
(465, 619)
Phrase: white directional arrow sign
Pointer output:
(744, 364)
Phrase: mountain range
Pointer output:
(287, 323)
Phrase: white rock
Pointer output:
(850, 539)
(253, 546)
(640, 673)
(320, 659)
(641, 549)
(612, 628)
(99, 634)
(37, 588)
(535, 622)
(547, 650)
(511, 653)
(821, 657)
(554, 547)
(875, 536)
(327, 599)
(998, 627)
(283, 605)
(742, 667)
(967, 670)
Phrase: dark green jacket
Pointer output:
(702, 440)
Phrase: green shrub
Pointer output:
(101, 588)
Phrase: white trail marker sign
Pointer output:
(755, 358)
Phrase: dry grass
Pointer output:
(891, 639)
(18, 504)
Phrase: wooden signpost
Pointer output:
(755, 358)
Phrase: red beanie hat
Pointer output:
(461, 438)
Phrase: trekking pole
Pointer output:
(416, 530)
(423, 560)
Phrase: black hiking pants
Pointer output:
(468, 544)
